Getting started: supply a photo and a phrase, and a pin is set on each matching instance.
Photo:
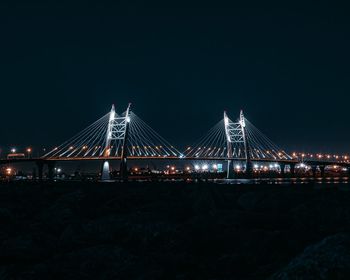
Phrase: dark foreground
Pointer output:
(174, 231)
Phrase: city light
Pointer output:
(196, 167)
(13, 150)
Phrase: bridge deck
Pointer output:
(74, 159)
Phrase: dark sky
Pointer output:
(62, 66)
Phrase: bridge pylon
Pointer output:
(124, 153)
(249, 164)
(229, 146)
(236, 135)
(117, 130)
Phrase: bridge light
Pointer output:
(13, 150)
(128, 119)
(196, 167)
(8, 171)
(215, 166)
(205, 167)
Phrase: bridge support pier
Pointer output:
(105, 172)
(283, 169)
(229, 170)
(40, 166)
(124, 170)
(249, 169)
(322, 169)
(314, 171)
(292, 169)
(51, 168)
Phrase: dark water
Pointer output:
(260, 229)
(285, 181)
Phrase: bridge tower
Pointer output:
(229, 146)
(124, 154)
(249, 165)
(117, 130)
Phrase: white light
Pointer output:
(238, 167)
(59, 170)
(112, 115)
(196, 167)
(215, 166)
(13, 150)
(256, 166)
(205, 167)
(302, 165)
(128, 119)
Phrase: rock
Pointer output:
(329, 259)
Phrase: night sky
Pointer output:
(62, 66)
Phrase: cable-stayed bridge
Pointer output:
(126, 137)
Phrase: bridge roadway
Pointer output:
(73, 159)
(50, 162)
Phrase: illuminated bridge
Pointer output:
(126, 137)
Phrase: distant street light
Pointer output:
(29, 151)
